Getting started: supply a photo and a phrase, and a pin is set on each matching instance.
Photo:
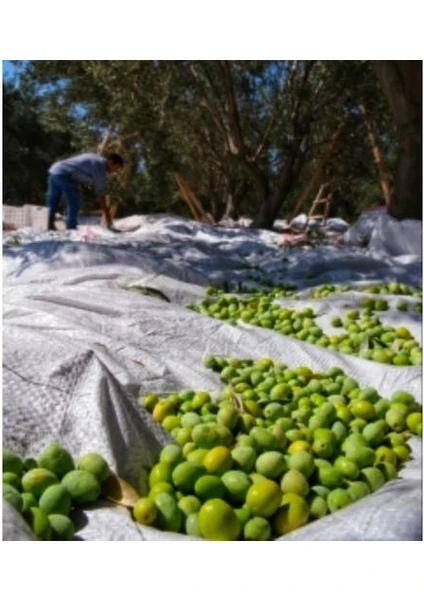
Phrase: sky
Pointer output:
(8, 70)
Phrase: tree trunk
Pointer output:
(271, 204)
(402, 84)
(316, 175)
(231, 209)
(376, 152)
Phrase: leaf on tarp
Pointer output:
(119, 491)
(365, 344)
(148, 291)
(396, 345)
(378, 343)
(237, 401)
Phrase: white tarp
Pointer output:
(382, 233)
(78, 348)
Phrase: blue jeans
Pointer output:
(58, 184)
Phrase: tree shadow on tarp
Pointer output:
(345, 267)
(224, 232)
(54, 255)
(182, 258)
(45, 252)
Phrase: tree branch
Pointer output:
(206, 103)
(235, 137)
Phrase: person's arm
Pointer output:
(105, 209)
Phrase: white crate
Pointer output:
(28, 215)
(38, 216)
(14, 216)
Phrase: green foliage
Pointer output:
(29, 147)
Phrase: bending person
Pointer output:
(65, 177)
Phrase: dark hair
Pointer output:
(114, 158)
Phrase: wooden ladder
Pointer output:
(323, 200)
